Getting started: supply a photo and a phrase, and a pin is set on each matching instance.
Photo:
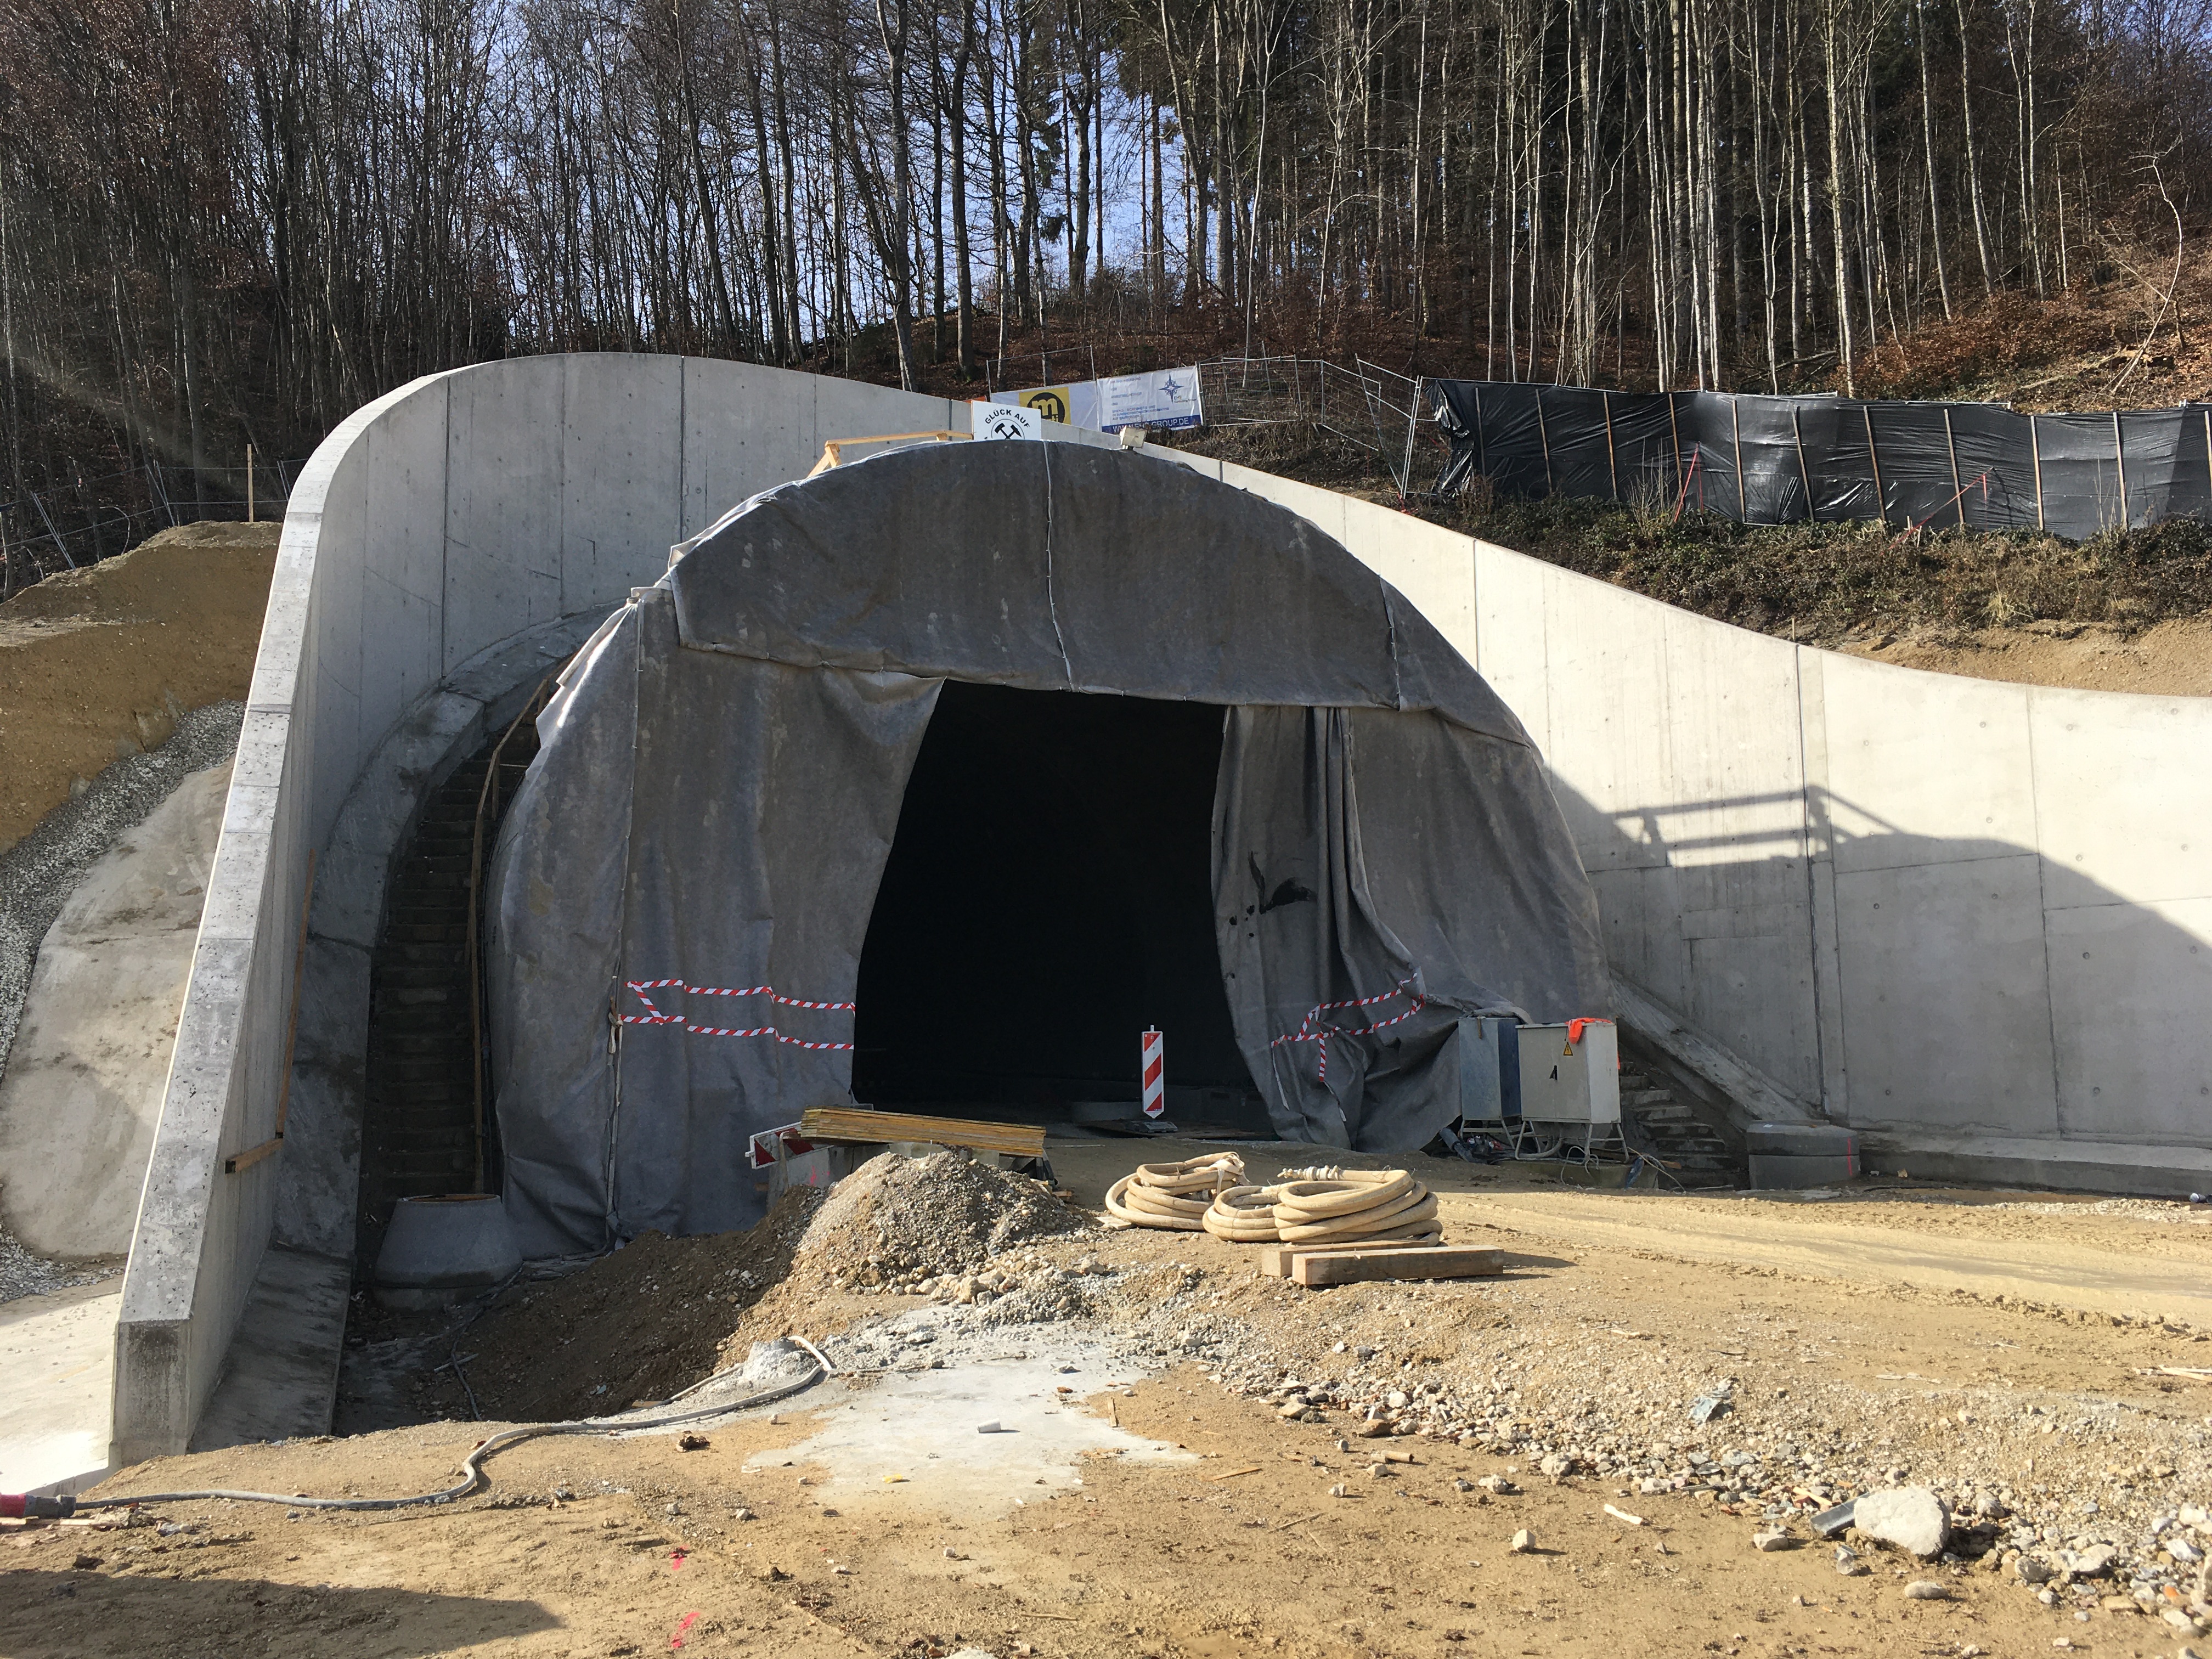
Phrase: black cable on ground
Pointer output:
(472, 1466)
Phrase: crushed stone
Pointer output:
(22, 1273)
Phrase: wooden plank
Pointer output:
(1275, 1260)
(843, 1124)
(1434, 1261)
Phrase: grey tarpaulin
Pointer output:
(1933, 466)
(723, 768)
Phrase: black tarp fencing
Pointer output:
(1781, 460)
(681, 892)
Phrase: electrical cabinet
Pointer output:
(1570, 1073)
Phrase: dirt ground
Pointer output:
(1880, 1334)
(2168, 658)
(98, 663)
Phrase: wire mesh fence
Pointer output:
(69, 523)
(1375, 408)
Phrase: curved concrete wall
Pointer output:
(1955, 909)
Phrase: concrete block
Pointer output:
(1947, 1008)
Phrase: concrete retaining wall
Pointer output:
(1971, 920)
(1976, 914)
(459, 512)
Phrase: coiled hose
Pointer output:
(1326, 1206)
(1160, 1194)
(473, 1477)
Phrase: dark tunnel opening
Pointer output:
(1049, 895)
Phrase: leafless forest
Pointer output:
(229, 221)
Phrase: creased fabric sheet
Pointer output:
(684, 888)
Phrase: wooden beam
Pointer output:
(844, 1124)
(1437, 1262)
(1275, 1260)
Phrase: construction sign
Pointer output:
(1160, 400)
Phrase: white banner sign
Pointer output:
(1160, 401)
(997, 420)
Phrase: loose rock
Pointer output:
(1912, 1518)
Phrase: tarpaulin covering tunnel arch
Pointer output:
(697, 851)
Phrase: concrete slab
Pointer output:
(283, 1378)
(56, 1369)
(922, 1425)
(82, 1095)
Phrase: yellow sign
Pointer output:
(1049, 401)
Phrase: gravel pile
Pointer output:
(22, 1273)
(901, 1220)
(39, 873)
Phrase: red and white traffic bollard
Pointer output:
(1154, 1069)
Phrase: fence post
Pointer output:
(1735, 422)
(1413, 422)
(51, 531)
(1797, 433)
(1675, 427)
(1958, 490)
(1544, 437)
(1881, 500)
(2120, 459)
(1612, 465)
(2035, 449)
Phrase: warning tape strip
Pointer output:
(653, 1016)
(1306, 1034)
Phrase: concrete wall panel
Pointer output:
(738, 429)
(2130, 987)
(1924, 768)
(622, 474)
(403, 590)
(503, 503)
(1946, 1005)
(1511, 601)
(2123, 796)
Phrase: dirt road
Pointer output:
(1174, 1512)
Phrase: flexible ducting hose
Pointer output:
(472, 1473)
(1160, 1194)
(1353, 1206)
(1243, 1215)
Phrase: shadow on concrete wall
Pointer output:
(1903, 979)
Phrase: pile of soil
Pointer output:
(639, 1324)
(661, 1313)
(97, 664)
(920, 1217)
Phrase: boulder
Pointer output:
(1912, 1518)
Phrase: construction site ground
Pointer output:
(98, 663)
(1152, 1498)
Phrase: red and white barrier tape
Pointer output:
(653, 1016)
(1305, 1033)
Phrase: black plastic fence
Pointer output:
(1780, 460)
